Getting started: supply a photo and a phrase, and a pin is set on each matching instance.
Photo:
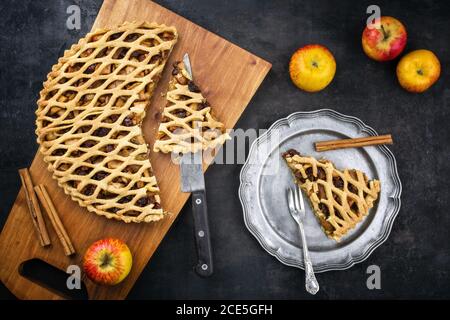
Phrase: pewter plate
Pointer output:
(265, 177)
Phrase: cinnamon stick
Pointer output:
(33, 208)
(353, 143)
(49, 207)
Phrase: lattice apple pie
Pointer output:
(340, 199)
(188, 124)
(89, 116)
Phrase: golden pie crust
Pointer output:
(188, 124)
(89, 119)
(340, 199)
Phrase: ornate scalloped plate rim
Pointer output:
(383, 236)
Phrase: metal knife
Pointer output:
(192, 180)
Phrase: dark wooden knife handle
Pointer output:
(204, 266)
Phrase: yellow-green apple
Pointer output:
(107, 261)
(418, 70)
(312, 67)
(384, 39)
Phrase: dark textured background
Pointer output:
(415, 259)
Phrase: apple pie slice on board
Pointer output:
(89, 119)
(340, 199)
(188, 123)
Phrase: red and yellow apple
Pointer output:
(384, 39)
(312, 67)
(107, 261)
(418, 70)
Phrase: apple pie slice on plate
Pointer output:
(89, 116)
(188, 123)
(340, 199)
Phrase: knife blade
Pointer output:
(192, 180)
(187, 64)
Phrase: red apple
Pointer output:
(385, 39)
(107, 261)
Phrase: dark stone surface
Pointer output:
(414, 261)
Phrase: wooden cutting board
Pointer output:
(228, 76)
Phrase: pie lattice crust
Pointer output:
(188, 124)
(89, 119)
(340, 199)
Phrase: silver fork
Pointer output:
(297, 210)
